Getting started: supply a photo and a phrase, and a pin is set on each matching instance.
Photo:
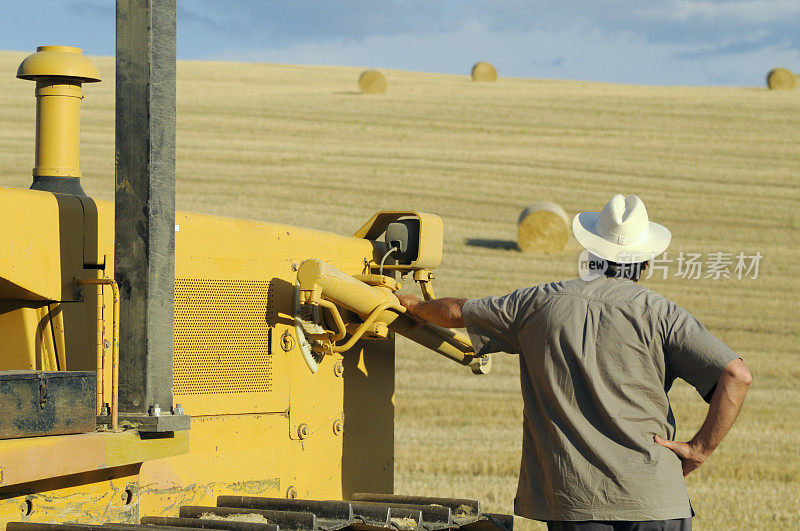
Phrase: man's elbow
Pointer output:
(455, 314)
(738, 372)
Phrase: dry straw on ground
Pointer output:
(483, 71)
(372, 82)
(543, 227)
(253, 518)
(781, 79)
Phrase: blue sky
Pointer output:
(669, 42)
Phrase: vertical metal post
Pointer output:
(144, 247)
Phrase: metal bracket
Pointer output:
(150, 423)
(424, 277)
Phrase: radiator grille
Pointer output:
(222, 338)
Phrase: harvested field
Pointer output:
(717, 166)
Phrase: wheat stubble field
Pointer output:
(719, 166)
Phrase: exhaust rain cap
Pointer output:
(622, 232)
(58, 61)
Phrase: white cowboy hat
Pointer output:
(622, 232)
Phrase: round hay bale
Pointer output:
(543, 227)
(781, 79)
(483, 71)
(372, 82)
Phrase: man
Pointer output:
(597, 358)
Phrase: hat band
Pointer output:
(619, 239)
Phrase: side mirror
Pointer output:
(418, 235)
(403, 236)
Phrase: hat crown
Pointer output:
(624, 221)
(622, 232)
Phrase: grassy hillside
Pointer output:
(719, 166)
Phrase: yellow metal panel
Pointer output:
(37, 458)
(87, 478)
(368, 404)
(98, 237)
(32, 459)
(258, 250)
(108, 495)
(80, 338)
(320, 409)
(89, 323)
(19, 322)
(41, 244)
(230, 454)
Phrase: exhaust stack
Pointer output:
(59, 72)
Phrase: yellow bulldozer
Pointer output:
(171, 369)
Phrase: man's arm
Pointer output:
(725, 405)
(442, 312)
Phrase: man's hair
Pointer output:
(630, 271)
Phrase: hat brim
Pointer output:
(584, 227)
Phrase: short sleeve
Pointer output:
(694, 354)
(492, 321)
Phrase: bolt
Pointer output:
(177, 410)
(338, 368)
(338, 427)
(303, 430)
(106, 344)
(291, 493)
(155, 410)
(294, 266)
(287, 341)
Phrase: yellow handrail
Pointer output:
(366, 324)
(114, 348)
(337, 317)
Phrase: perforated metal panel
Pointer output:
(222, 337)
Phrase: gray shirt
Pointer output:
(596, 361)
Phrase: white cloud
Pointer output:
(746, 11)
(579, 52)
